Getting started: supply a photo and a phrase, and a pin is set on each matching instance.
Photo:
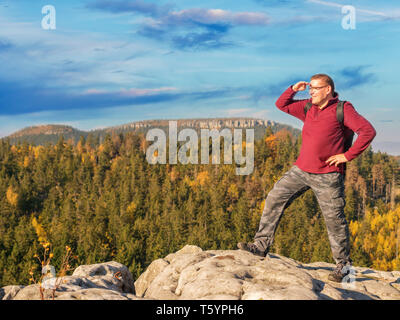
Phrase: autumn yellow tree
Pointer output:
(379, 236)
(12, 196)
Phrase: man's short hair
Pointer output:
(325, 78)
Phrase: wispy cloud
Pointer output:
(215, 16)
(272, 90)
(5, 44)
(181, 17)
(355, 76)
(17, 99)
(239, 111)
(69, 59)
(205, 28)
(136, 6)
(374, 14)
(133, 92)
(246, 112)
(326, 3)
(201, 40)
(390, 147)
(193, 28)
(346, 78)
(386, 121)
(278, 3)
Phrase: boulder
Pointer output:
(102, 281)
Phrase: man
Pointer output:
(320, 166)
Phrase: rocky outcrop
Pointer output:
(192, 274)
(103, 281)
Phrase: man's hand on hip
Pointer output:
(336, 159)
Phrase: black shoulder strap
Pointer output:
(307, 107)
(340, 112)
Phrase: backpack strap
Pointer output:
(340, 112)
(307, 107)
(349, 134)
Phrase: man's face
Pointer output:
(319, 91)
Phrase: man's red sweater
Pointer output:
(322, 134)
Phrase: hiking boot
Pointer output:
(251, 247)
(339, 273)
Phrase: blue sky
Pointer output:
(113, 62)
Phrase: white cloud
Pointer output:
(210, 16)
(263, 114)
(247, 112)
(133, 92)
(70, 59)
(145, 92)
(236, 112)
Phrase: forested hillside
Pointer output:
(105, 202)
(44, 134)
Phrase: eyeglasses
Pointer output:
(316, 88)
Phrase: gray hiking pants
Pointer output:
(329, 190)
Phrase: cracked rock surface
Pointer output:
(194, 274)
(102, 281)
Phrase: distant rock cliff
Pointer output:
(199, 123)
(192, 273)
(40, 135)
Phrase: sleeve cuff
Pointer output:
(349, 156)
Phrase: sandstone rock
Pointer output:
(194, 274)
(9, 292)
(382, 289)
(110, 275)
(103, 281)
(149, 275)
(95, 294)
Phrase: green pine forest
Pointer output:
(106, 202)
